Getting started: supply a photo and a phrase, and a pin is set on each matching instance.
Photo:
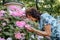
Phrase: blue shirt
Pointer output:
(48, 19)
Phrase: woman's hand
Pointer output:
(29, 28)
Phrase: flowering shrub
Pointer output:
(20, 24)
(13, 24)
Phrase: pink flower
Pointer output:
(18, 14)
(2, 13)
(22, 36)
(27, 26)
(18, 35)
(16, 11)
(20, 24)
(2, 38)
(13, 7)
(14, 14)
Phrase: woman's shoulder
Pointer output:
(45, 13)
(47, 16)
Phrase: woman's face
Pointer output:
(31, 18)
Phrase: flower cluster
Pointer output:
(12, 26)
(2, 13)
(15, 11)
(2, 38)
(20, 24)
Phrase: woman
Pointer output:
(48, 24)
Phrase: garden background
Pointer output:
(51, 6)
(7, 31)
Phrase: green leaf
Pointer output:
(8, 33)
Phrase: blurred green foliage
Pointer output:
(50, 6)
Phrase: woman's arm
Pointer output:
(47, 31)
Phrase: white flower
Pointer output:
(32, 36)
(23, 8)
(9, 38)
(4, 24)
(39, 37)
